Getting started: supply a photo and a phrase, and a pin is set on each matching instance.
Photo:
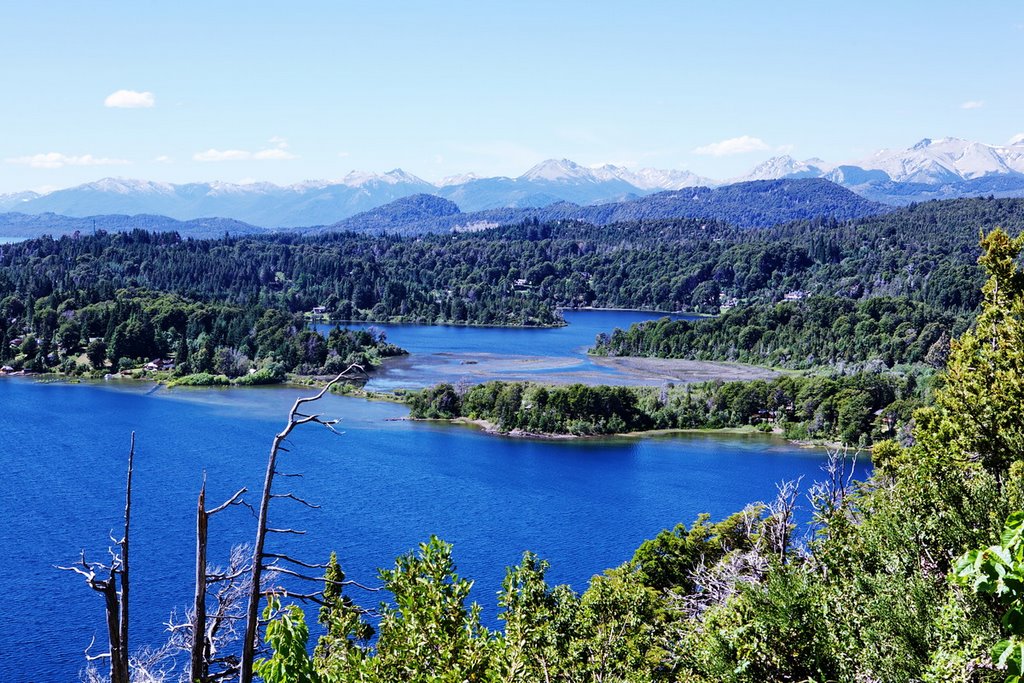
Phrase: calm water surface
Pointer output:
(385, 485)
(452, 352)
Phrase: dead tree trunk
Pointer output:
(295, 419)
(125, 574)
(197, 660)
(115, 599)
(201, 651)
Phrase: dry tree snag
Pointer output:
(202, 653)
(259, 557)
(115, 599)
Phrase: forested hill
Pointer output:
(759, 203)
(22, 225)
(519, 275)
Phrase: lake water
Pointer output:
(384, 485)
(453, 353)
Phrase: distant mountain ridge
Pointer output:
(946, 168)
(20, 225)
(931, 169)
(752, 204)
(324, 202)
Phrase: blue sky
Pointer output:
(291, 91)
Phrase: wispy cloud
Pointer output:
(58, 160)
(279, 152)
(163, 159)
(130, 99)
(972, 104)
(740, 145)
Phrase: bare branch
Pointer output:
(233, 500)
(286, 558)
(295, 419)
(296, 499)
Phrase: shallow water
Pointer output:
(453, 353)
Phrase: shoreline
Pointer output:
(490, 429)
(448, 324)
(484, 426)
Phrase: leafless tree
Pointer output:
(111, 581)
(827, 496)
(223, 609)
(203, 632)
(262, 559)
(779, 526)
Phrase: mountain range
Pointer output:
(759, 203)
(930, 169)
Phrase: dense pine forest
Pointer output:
(820, 330)
(921, 259)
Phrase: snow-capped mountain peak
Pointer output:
(130, 186)
(786, 166)
(459, 179)
(943, 160)
(393, 177)
(558, 170)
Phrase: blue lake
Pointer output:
(384, 485)
(452, 353)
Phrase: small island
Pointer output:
(854, 409)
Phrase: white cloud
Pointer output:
(277, 154)
(784, 149)
(130, 99)
(58, 160)
(972, 104)
(163, 159)
(271, 154)
(1017, 139)
(740, 145)
(344, 155)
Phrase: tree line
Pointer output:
(76, 332)
(820, 330)
(521, 274)
(856, 409)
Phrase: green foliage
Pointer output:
(202, 379)
(821, 330)
(341, 652)
(851, 408)
(287, 636)
(999, 571)
(429, 635)
(985, 386)
(535, 641)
